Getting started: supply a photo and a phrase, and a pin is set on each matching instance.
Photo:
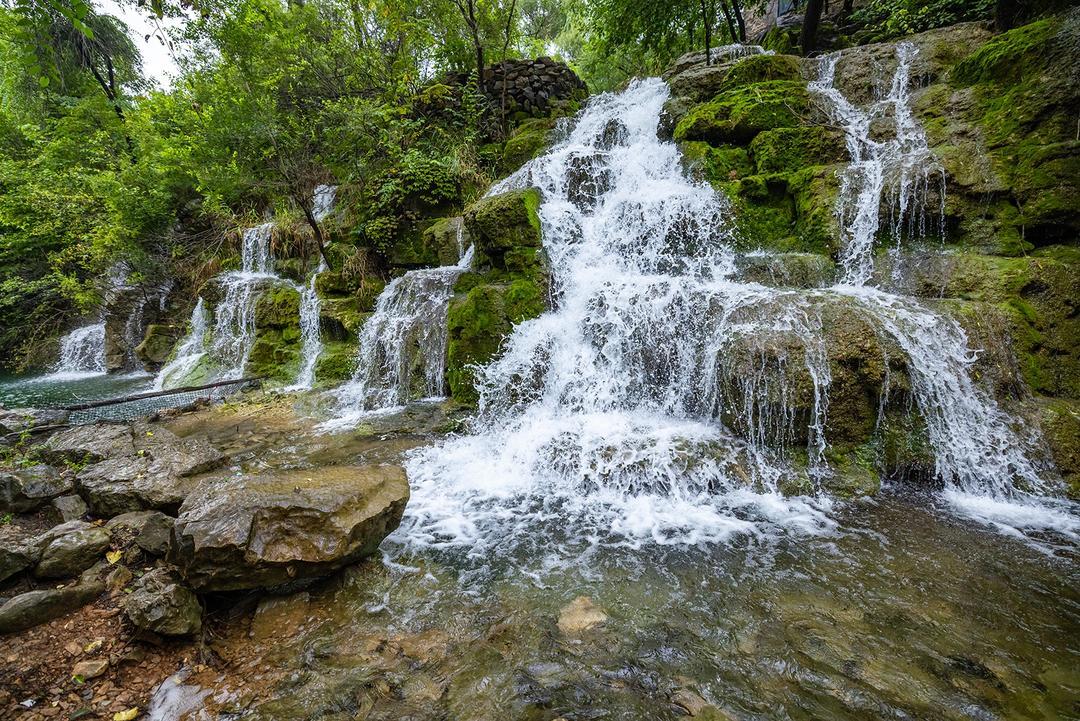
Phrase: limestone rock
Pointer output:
(268, 530)
(17, 420)
(579, 616)
(151, 477)
(150, 530)
(160, 603)
(72, 551)
(70, 507)
(26, 489)
(89, 443)
(36, 607)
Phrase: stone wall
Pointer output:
(533, 87)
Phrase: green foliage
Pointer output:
(893, 18)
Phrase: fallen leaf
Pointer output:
(113, 556)
(126, 715)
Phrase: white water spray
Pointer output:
(897, 170)
(190, 352)
(82, 352)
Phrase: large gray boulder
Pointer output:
(72, 551)
(160, 603)
(21, 553)
(269, 530)
(36, 607)
(151, 476)
(88, 443)
(26, 489)
(17, 420)
(149, 530)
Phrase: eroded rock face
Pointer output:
(26, 489)
(89, 443)
(149, 530)
(153, 475)
(269, 530)
(160, 603)
(17, 420)
(74, 549)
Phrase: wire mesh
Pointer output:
(129, 409)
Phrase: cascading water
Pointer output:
(898, 169)
(190, 351)
(310, 303)
(402, 350)
(82, 351)
(234, 316)
(654, 402)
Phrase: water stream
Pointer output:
(82, 352)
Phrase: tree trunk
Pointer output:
(811, 20)
(708, 31)
(305, 206)
(1005, 14)
(739, 20)
(732, 32)
(506, 46)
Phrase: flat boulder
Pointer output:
(88, 443)
(149, 530)
(151, 476)
(273, 529)
(17, 420)
(26, 489)
(160, 603)
(36, 607)
(72, 551)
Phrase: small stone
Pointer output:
(580, 615)
(93, 668)
(70, 507)
(118, 578)
(160, 604)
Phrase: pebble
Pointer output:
(90, 669)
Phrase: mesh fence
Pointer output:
(123, 409)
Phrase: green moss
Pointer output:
(783, 41)
(336, 363)
(278, 307)
(786, 150)
(854, 471)
(477, 324)
(346, 313)
(736, 116)
(441, 239)
(815, 191)
(762, 68)
(502, 222)
(716, 164)
(274, 356)
(1009, 57)
(157, 343)
(764, 214)
(528, 140)
(1060, 421)
(410, 249)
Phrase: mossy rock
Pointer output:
(703, 82)
(278, 307)
(764, 215)
(737, 116)
(343, 317)
(410, 249)
(336, 363)
(815, 191)
(529, 140)
(157, 344)
(479, 321)
(788, 150)
(716, 165)
(854, 471)
(442, 238)
(1060, 421)
(275, 355)
(786, 270)
(501, 223)
(1012, 56)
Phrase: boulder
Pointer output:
(70, 507)
(703, 82)
(27, 489)
(151, 476)
(17, 420)
(36, 607)
(89, 443)
(160, 603)
(269, 530)
(72, 550)
(579, 616)
(149, 530)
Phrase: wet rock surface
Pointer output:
(26, 489)
(36, 607)
(268, 530)
(72, 550)
(160, 603)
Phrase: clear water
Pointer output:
(69, 389)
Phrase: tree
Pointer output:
(811, 21)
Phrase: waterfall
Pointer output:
(658, 401)
(190, 351)
(322, 201)
(82, 351)
(322, 204)
(898, 169)
(402, 349)
(234, 316)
